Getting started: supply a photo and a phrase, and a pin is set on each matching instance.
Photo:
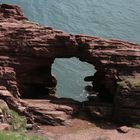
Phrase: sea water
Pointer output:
(106, 18)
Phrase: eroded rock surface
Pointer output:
(53, 112)
(27, 52)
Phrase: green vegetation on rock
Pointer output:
(134, 82)
(129, 83)
(18, 136)
(18, 122)
(136, 126)
(18, 131)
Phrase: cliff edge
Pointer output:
(28, 50)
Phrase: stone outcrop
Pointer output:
(5, 114)
(54, 112)
(28, 50)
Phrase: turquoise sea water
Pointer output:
(106, 18)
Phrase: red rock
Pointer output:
(4, 126)
(124, 129)
(27, 52)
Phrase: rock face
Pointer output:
(5, 114)
(52, 112)
(27, 52)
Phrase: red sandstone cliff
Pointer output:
(28, 50)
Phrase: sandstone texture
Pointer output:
(27, 52)
(124, 129)
(4, 127)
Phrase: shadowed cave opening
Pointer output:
(76, 80)
(70, 74)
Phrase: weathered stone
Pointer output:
(27, 52)
(4, 126)
(124, 129)
(4, 111)
(29, 126)
(52, 113)
(2, 88)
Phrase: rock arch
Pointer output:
(28, 50)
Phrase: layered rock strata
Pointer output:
(28, 50)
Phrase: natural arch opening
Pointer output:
(70, 74)
(72, 78)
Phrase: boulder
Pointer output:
(124, 129)
(4, 126)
